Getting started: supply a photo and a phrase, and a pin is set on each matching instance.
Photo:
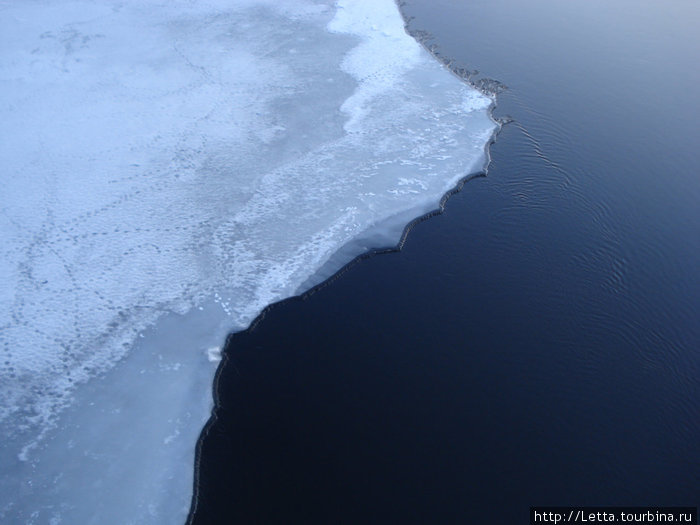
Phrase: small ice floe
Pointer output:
(214, 354)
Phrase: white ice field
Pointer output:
(168, 169)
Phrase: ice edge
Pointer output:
(486, 88)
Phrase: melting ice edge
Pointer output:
(169, 170)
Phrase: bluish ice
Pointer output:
(168, 170)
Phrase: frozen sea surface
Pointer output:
(169, 169)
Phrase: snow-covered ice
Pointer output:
(170, 168)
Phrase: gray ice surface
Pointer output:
(170, 168)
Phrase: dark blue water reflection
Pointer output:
(539, 342)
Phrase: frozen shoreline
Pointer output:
(179, 230)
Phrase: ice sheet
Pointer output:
(162, 157)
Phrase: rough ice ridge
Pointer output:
(184, 164)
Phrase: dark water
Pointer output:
(539, 342)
